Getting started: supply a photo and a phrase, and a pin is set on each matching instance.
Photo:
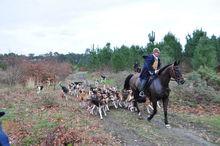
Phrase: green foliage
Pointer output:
(165, 58)
(209, 75)
(3, 65)
(44, 124)
(105, 55)
(27, 141)
(171, 46)
(195, 90)
(216, 98)
(199, 50)
(94, 60)
(214, 121)
(118, 61)
(124, 57)
(218, 49)
(204, 54)
(108, 82)
(192, 42)
(194, 76)
(198, 86)
(100, 57)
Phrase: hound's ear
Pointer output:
(2, 114)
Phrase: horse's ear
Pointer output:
(178, 62)
(175, 63)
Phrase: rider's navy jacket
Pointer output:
(148, 66)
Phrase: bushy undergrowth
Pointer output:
(210, 76)
(196, 90)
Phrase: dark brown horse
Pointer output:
(157, 90)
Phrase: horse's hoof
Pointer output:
(140, 118)
(168, 126)
(148, 118)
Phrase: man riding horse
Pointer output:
(150, 69)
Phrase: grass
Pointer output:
(44, 124)
(212, 121)
(110, 82)
(29, 140)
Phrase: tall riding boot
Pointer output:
(141, 89)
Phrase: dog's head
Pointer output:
(127, 95)
(2, 114)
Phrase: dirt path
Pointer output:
(133, 131)
(127, 136)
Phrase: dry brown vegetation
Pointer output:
(20, 70)
(47, 119)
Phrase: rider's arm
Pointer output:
(148, 63)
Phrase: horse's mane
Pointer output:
(163, 68)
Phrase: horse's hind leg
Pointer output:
(165, 104)
(154, 111)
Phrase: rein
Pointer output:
(174, 73)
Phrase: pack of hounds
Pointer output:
(99, 98)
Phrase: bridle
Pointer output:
(176, 77)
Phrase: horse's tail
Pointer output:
(126, 84)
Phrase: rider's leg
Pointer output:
(141, 87)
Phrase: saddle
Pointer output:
(148, 83)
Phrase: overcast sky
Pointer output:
(63, 26)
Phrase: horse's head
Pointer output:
(176, 73)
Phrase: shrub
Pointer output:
(210, 76)
(196, 90)
(48, 101)
(30, 84)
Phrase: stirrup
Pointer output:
(142, 94)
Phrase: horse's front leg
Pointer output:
(165, 104)
(154, 111)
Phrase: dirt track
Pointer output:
(141, 132)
